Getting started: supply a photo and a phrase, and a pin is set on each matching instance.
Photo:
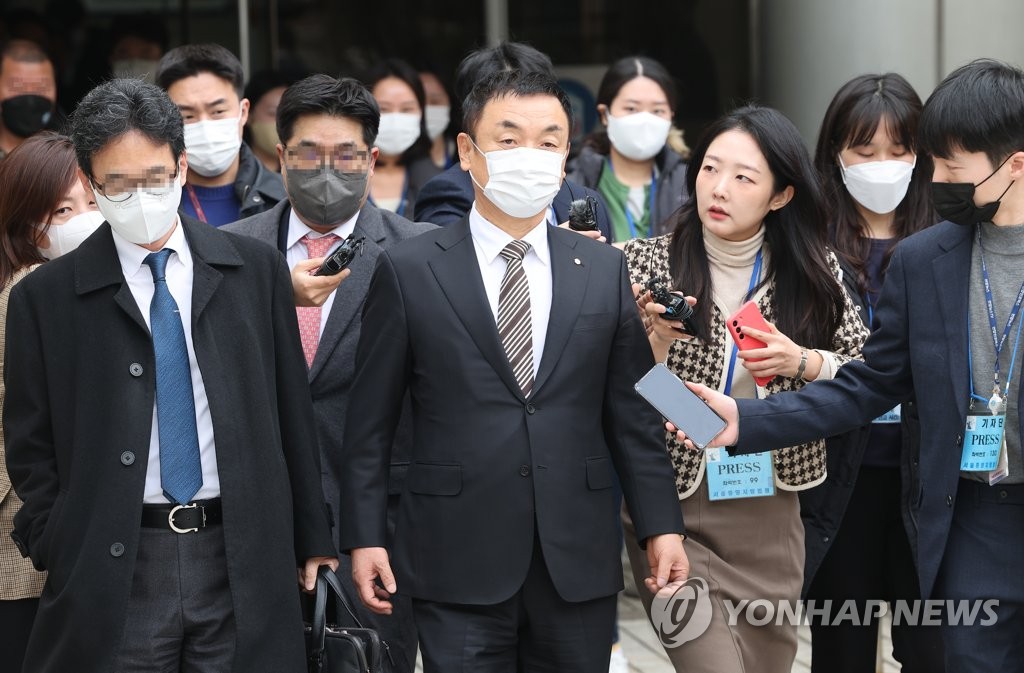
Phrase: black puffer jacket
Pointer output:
(671, 185)
(258, 188)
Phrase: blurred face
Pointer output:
(205, 97)
(394, 95)
(735, 188)
(132, 162)
(18, 79)
(881, 147)
(265, 109)
(640, 94)
(433, 89)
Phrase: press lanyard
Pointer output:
(754, 278)
(195, 203)
(650, 207)
(998, 342)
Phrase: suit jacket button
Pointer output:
(135, 369)
(524, 470)
(127, 458)
(530, 409)
(949, 500)
(256, 199)
(117, 550)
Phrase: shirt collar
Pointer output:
(297, 229)
(133, 256)
(492, 240)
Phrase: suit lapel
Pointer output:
(952, 274)
(349, 297)
(569, 273)
(209, 248)
(97, 265)
(458, 274)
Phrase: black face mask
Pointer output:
(25, 115)
(954, 201)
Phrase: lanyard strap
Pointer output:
(754, 278)
(996, 340)
(970, 361)
(650, 207)
(195, 203)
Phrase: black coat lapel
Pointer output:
(952, 273)
(458, 273)
(569, 273)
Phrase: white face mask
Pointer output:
(521, 182)
(212, 145)
(638, 136)
(398, 131)
(142, 216)
(135, 68)
(879, 186)
(66, 237)
(437, 118)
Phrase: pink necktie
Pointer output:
(309, 317)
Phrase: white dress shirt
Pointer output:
(179, 281)
(489, 241)
(296, 252)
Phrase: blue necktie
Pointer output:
(181, 473)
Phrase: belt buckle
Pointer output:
(176, 508)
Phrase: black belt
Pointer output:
(182, 518)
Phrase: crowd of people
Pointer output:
(192, 412)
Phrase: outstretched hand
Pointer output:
(726, 408)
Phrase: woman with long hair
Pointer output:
(403, 165)
(752, 228)
(637, 158)
(45, 212)
(878, 187)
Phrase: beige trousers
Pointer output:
(746, 549)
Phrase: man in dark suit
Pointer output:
(327, 129)
(519, 345)
(447, 197)
(935, 341)
(158, 425)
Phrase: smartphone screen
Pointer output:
(670, 396)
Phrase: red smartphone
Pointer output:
(749, 315)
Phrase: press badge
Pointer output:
(732, 477)
(891, 416)
(983, 436)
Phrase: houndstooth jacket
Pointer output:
(796, 468)
(18, 579)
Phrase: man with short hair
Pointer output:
(158, 425)
(28, 93)
(328, 128)
(949, 326)
(226, 182)
(519, 345)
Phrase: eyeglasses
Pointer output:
(120, 187)
(342, 158)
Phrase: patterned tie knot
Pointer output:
(317, 246)
(515, 250)
(157, 263)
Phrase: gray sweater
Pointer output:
(1004, 258)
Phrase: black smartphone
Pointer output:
(680, 405)
(339, 260)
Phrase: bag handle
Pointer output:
(331, 579)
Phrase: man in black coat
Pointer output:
(158, 425)
(327, 129)
(521, 376)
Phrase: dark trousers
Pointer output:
(534, 631)
(16, 619)
(984, 560)
(180, 614)
(870, 559)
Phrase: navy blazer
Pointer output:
(447, 198)
(919, 349)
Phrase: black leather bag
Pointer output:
(342, 649)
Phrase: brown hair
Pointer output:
(34, 178)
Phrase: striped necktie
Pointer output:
(515, 326)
